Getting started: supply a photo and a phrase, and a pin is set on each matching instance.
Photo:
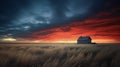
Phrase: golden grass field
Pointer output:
(59, 55)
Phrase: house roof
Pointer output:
(84, 38)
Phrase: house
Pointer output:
(84, 40)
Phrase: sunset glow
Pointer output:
(60, 21)
(9, 39)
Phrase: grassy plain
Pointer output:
(59, 55)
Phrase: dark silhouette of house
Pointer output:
(84, 40)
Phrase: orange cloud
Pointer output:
(103, 28)
(103, 33)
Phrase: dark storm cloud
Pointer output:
(59, 7)
(21, 17)
(9, 9)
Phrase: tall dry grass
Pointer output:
(59, 56)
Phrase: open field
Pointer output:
(59, 55)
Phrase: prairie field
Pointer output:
(59, 55)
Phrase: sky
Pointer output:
(59, 20)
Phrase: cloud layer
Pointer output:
(59, 20)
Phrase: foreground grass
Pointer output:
(59, 55)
